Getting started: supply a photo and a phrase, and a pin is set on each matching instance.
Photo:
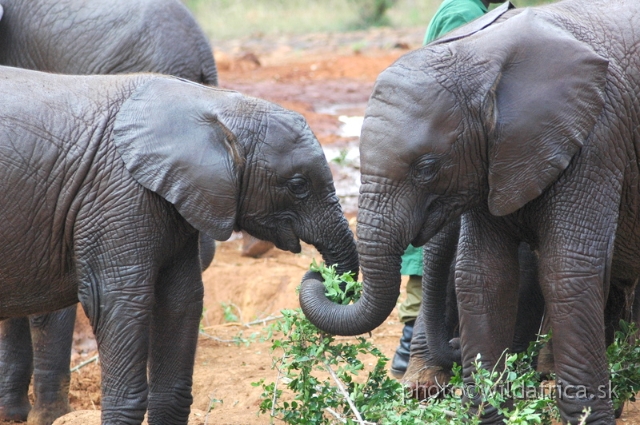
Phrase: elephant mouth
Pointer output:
(429, 229)
(286, 244)
(279, 232)
(286, 239)
(422, 238)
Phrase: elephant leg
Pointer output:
(16, 367)
(582, 381)
(572, 277)
(614, 311)
(424, 378)
(487, 273)
(619, 306)
(52, 336)
(530, 301)
(432, 355)
(118, 300)
(177, 312)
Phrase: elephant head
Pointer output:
(493, 117)
(227, 161)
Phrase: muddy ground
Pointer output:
(327, 78)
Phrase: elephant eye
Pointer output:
(426, 169)
(299, 187)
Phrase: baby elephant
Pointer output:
(107, 182)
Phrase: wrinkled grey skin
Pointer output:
(115, 37)
(435, 345)
(109, 181)
(527, 129)
(84, 37)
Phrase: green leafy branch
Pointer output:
(322, 379)
(624, 363)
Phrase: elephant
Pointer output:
(107, 183)
(92, 37)
(85, 37)
(436, 346)
(523, 124)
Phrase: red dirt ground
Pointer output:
(303, 79)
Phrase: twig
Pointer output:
(84, 363)
(211, 401)
(215, 338)
(225, 325)
(343, 420)
(450, 414)
(275, 389)
(246, 325)
(585, 414)
(344, 393)
(263, 321)
(336, 414)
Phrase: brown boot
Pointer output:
(254, 247)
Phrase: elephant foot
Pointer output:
(424, 381)
(16, 412)
(572, 411)
(46, 414)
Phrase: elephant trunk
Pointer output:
(380, 254)
(333, 238)
(439, 301)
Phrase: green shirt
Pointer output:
(412, 261)
(450, 15)
(453, 14)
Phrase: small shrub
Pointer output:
(624, 363)
(341, 159)
(373, 13)
(319, 379)
(229, 312)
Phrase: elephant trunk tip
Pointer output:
(330, 317)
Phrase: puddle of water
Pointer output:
(349, 109)
(344, 161)
(350, 126)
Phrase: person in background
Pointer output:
(450, 15)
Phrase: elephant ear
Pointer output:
(541, 107)
(477, 24)
(171, 139)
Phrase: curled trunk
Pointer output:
(380, 264)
